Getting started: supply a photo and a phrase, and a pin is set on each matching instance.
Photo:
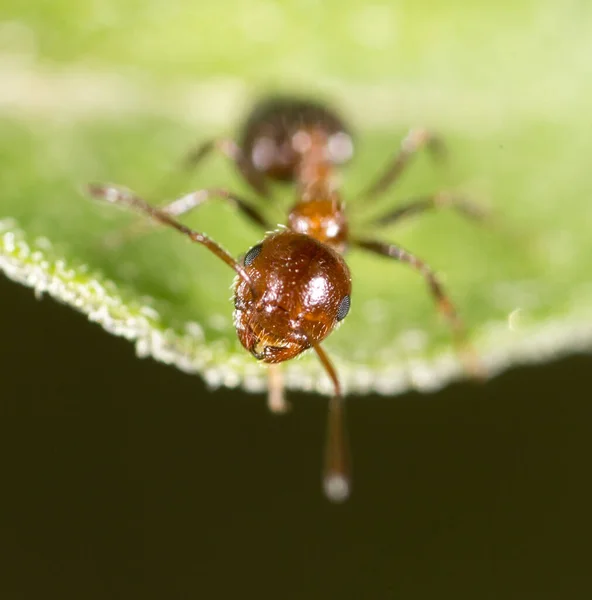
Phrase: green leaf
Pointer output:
(84, 98)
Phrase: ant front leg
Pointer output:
(235, 154)
(414, 141)
(276, 399)
(337, 471)
(443, 302)
(423, 204)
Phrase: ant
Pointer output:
(294, 287)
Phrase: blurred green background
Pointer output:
(126, 478)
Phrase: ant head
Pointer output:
(301, 291)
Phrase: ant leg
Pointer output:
(423, 204)
(116, 195)
(414, 141)
(187, 203)
(443, 302)
(336, 472)
(276, 400)
(192, 200)
(234, 153)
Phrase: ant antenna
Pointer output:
(336, 472)
(123, 197)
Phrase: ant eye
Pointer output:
(252, 254)
(343, 308)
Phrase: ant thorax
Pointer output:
(318, 211)
(322, 218)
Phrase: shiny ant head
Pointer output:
(279, 129)
(300, 291)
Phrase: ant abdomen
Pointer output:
(278, 130)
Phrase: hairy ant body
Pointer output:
(294, 287)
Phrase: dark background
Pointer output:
(123, 478)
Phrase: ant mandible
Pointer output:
(294, 287)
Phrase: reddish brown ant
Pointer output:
(294, 287)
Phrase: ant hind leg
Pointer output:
(413, 142)
(232, 151)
